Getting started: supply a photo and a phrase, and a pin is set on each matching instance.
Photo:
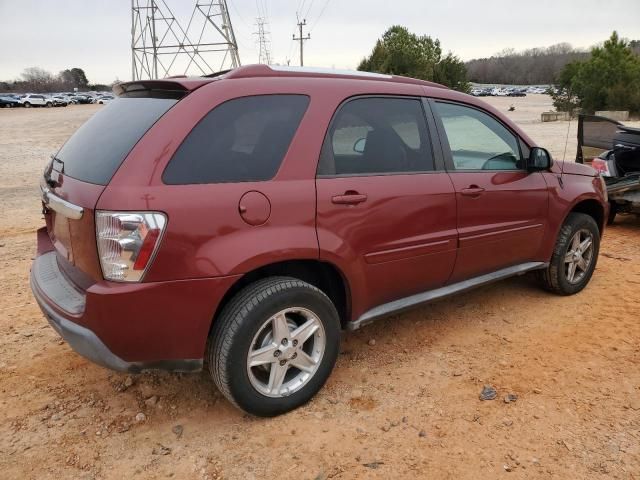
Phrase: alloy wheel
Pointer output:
(286, 352)
(579, 256)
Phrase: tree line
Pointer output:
(535, 66)
(39, 80)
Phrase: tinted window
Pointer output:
(377, 135)
(244, 139)
(477, 140)
(96, 150)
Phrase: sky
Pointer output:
(96, 34)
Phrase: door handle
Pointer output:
(349, 197)
(472, 191)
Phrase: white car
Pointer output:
(499, 92)
(35, 100)
(59, 101)
(104, 99)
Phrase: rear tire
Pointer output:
(258, 342)
(574, 257)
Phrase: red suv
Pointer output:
(248, 217)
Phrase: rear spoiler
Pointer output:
(168, 88)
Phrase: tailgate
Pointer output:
(77, 175)
(68, 207)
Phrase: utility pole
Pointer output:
(302, 38)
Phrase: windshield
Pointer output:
(96, 150)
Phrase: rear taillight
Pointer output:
(602, 166)
(127, 242)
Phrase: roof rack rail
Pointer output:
(261, 70)
(217, 74)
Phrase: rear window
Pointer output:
(244, 139)
(96, 150)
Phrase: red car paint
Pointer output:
(412, 232)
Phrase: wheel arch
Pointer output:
(591, 207)
(323, 275)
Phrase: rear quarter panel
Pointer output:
(206, 235)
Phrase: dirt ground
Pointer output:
(402, 401)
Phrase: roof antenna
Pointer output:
(564, 155)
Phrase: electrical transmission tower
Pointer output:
(263, 41)
(161, 46)
(302, 38)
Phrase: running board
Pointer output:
(406, 303)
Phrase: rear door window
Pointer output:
(244, 139)
(374, 136)
(96, 150)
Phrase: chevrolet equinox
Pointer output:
(241, 220)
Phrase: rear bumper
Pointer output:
(129, 327)
(80, 339)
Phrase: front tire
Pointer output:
(27, 105)
(274, 345)
(574, 256)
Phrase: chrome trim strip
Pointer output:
(507, 231)
(60, 205)
(403, 253)
(406, 303)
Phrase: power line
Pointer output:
(245, 38)
(306, 15)
(300, 7)
(319, 16)
(238, 12)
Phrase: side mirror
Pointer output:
(539, 159)
(358, 147)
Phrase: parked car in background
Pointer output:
(8, 102)
(247, 219)
(83, 99)
(516, 93)
(499, 92)
(35, 100)
(59, 101)
(104, 99)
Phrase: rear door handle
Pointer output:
(349, 198)
(472, 191)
